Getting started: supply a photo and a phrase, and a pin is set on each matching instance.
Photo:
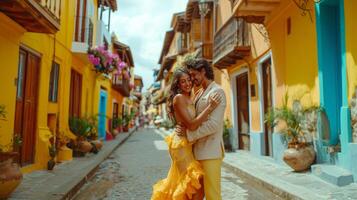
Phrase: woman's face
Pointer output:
(185, 83)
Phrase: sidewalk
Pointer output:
(281, 180)
(66, 178)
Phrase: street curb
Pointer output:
(73, 191)
(263, 183)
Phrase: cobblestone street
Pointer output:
(134, 167)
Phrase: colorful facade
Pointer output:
(47, 75)
(263, 50)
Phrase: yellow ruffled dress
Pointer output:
(183, 179)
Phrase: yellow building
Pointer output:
(47, 76)
(290, 50)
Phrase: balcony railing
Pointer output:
(40, 16)
(206, 51)
(84, 30)
(52, 6)
(231, 42)
(121, 85)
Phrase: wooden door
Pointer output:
(243, 111)
(268, 103)
(75, 96)
(26, 105)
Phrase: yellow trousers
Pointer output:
(212, 178)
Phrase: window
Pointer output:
(53, 93)
(21, 73)
(75, 94)
(115, 110)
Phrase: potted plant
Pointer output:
(226, 136)
(10, 174)
(126, 122)
(300, 153)
(117, 125)
(63, 152)
(81, 128)
(52, 152)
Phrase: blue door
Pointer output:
(102, 114)
(330, 63)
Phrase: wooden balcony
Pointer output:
(39, 16)
(121, 85)
(205, 51)
(231, 43)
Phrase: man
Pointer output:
(208, 143)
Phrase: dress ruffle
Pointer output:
(179, 185)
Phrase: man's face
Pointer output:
(197, 76)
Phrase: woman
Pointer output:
(185, 174)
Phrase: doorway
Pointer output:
(26, 104)
(268, 103)
(102, 114)
(243, 111)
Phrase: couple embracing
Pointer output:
(196, 146)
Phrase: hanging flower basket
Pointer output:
(103, 60)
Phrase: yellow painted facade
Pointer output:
(351, 45)
(294, 55)
(292, 59)
(12, 37)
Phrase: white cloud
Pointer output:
(142, 24)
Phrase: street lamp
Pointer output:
(204, 9)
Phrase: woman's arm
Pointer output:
(181, 112)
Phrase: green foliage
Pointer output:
(226, 126)
(79, 126)
(82, 127)
(116, 122)
(126, 119)
(294, 118)
(15, 142)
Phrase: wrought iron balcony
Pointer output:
(231, 43)
(40, 16)
(121, 85)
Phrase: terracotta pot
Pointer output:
(98, 144)
(299, 159)
(125, 129)
(84, 146)
(115, 132)
(10, 177)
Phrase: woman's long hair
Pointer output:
(175, 90)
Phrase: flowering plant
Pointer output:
(103, 60)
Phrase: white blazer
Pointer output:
(208, 138)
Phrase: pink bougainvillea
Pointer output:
(103, 60)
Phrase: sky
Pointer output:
(142, 24)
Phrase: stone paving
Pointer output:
(65, 178)
(132, 169)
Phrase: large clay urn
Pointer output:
(10, 174)
(300, 158)
(84, 146)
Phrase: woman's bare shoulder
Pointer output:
(179, 99)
